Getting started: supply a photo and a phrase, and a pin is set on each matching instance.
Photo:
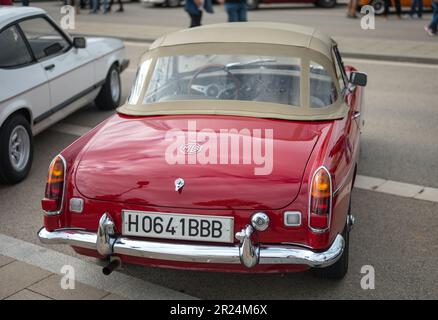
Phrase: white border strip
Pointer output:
(87, 273)
(396, 188)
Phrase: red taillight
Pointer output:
(320, 200)
(55, 186)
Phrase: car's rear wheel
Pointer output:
(172, 3)
(379, 6)
(253, 4)
(339, 269)
(16, 149)
(111, 92)
(325, 3)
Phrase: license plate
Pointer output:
(178, 226)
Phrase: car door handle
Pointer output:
(49, 67)
(356, 114)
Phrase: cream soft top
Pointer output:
(268, 38)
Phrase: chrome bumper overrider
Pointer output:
(248, 253)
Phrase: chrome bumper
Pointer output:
(246, 253)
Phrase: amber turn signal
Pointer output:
(54, 186)
(320, 200)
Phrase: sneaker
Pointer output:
(429, 31)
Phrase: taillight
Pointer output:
(320, 200)
(52, 201)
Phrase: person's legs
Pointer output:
(241, 12)
(195, 19)
(387, 5)
(433, 26)
(120, 6)
(398, 7)
(94, 6)
(106, 6)
(25, 3)
(231, 9)
(420, 9)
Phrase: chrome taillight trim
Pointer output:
(64, 163)
(310, 201)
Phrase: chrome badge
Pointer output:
(190, 148)
(179, 183)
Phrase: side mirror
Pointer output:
(358, 79)
(79, 42)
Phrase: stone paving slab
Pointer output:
(27, 295)
(17, 276)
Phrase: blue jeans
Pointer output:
(415, 4)
(236, 11)
(434, 24)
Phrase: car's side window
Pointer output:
(14, 52)
(44, 39)
(323, 90)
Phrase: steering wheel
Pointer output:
(214, 90)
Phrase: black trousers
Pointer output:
(195, 19)
(397, 7)
(120, 4)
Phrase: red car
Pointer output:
(236, 151)
(254, 4)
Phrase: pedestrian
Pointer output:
(414, 5)
(397, 8)
(431, 29)
(120, 5)
(25, 3)
(352, 6)
(236, 10)
(5, 2)
(195, 8)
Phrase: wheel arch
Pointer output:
(17, 109)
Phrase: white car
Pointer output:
(45, 75)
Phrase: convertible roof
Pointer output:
(251, 32)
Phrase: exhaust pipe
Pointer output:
(113, 265)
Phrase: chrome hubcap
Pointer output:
(19, 148)
(115, 85)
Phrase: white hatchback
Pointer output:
(45, 75)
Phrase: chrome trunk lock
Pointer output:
(105, 235)
(248, 252)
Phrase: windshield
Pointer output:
(226, 77)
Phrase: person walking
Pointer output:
(120, 5)
(194, 9)
(352, 6)
(397, 8)
(432, 28)
(236, 10)
(416, 4)
(25, 3)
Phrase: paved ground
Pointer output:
(394, 234)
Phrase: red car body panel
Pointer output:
(119, 165)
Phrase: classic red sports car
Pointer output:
(236, 151)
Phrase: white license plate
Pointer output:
(178, 226)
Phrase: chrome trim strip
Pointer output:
(226, 254)
(269, 254)
(54, 213)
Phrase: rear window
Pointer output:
(226, 77)
(13, 52)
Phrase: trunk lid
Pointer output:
(137, 161)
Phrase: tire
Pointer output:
(111, 92)
(172, 3)
(326, 3)
(253, 4)
(16, 149)
(338, 270)
(379, 6)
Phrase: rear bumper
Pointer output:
(246, 253)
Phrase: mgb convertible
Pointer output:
(236, 151)
(45, 75)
